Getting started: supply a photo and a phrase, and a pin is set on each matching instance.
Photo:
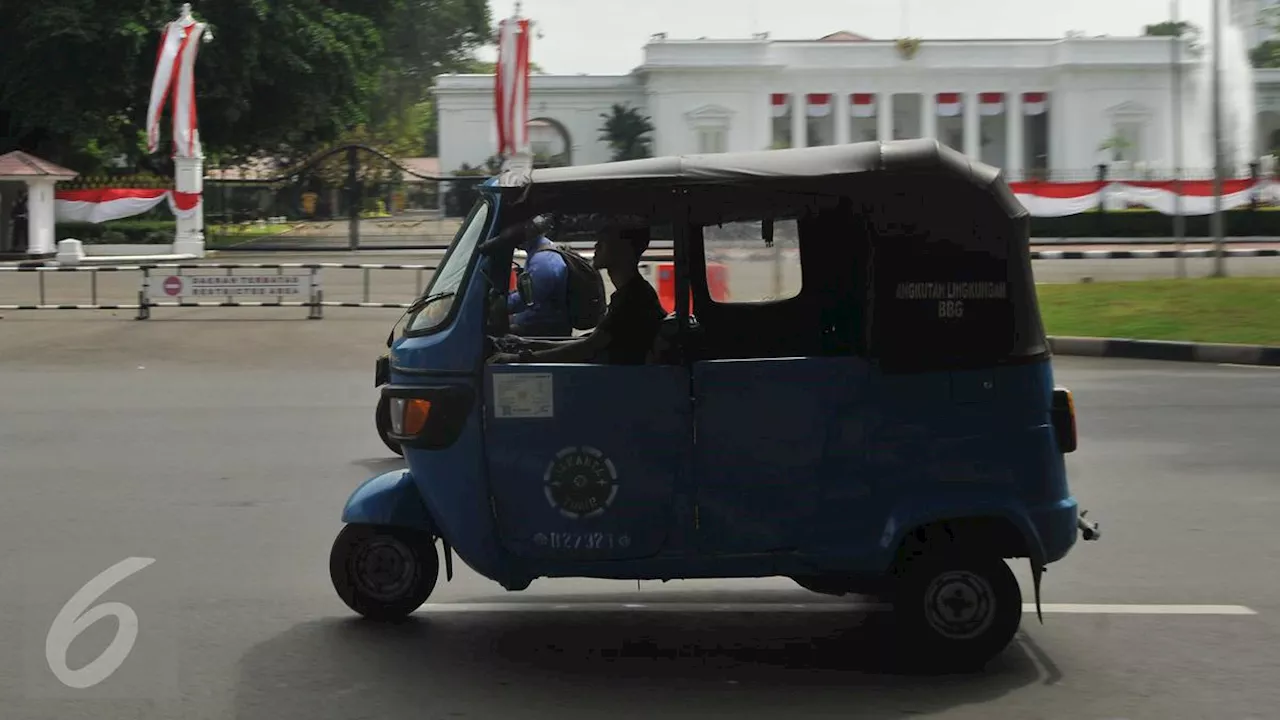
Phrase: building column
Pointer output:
(884, 116)
(1015, 154)
(842, 107)
(929, 115)
(799, 120)
(40, 217)
(764, 132)
(972, 126)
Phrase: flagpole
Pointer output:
(1179, 222)
(1219, 264)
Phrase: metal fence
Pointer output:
(347, 198)
(220, 285)
(316, 286)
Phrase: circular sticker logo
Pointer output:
(580, 482)
(173, 285)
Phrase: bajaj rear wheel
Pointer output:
(382, 419)
(956, 612)
(383, 573)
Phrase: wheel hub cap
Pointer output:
(959, 605)
(384, 568)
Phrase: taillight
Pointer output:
(1063, 415)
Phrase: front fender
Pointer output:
(389, 499)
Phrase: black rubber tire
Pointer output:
(418, 568)
(982, 589)
(382, 419)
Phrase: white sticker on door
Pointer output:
(523, 395)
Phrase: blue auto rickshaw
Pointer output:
(892, 429)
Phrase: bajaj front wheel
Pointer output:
(956, 612)
(383, 573)
(382, 419)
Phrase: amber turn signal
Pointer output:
(409, 415)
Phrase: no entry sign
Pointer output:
(214, 287)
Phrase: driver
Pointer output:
(542, 310)
(627, 332)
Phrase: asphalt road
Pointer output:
(224, 448)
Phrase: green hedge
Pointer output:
(1148, 223)
(119, 232)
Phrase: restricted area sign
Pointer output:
(213, 287)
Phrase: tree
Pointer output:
(1266, 55)
(282, 77)
(1182, 28)
(1117, 145)
(625, 128)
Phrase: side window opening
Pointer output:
(742, 269)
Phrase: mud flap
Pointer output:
(448, 560)
(1037, 571)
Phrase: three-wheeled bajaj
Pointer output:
(890, 429)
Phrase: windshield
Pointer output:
(437, 303)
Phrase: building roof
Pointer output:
(18, 164)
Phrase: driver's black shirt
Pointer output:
(632, 321)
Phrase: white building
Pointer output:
(1029, 106)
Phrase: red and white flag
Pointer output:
(990, 104)
(818, 105)
(511, 87)
(949, 104)
(107, 204)
(1035, 103)
(863, 105)
(175, 78)
(781, 104)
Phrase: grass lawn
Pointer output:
(1216, 310)
(221, 236)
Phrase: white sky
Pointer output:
(606, 36)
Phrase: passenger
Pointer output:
(543, 309)
(629, 328)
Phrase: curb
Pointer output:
(1166, 350)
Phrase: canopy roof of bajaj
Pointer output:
(865, 160)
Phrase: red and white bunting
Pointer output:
(781, 103)
(1050, 199)
(949, 104)
(174, 78)
(863, 105)
(1035, 103)
(817, 105)
(511, 87)
(990, 104)
(106, 204)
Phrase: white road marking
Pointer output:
(830, 607)
(1250, 367)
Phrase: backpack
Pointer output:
(586, 289)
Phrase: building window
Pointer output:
(1127, 145)
(711, 140)
(709, 129)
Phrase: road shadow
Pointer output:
(378, 466)
(597, 665)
